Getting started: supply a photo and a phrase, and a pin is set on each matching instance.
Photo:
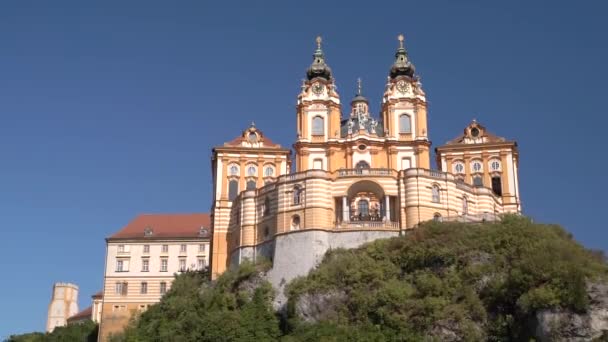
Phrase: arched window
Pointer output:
(495, 165)
(436, 194)
(234, 170)
(363, 208)
(266, 232)
(252, 137)
(477, 166)
(458, 167)
(268, 171)
(318, 125)
(437, 217)
(251, 170)
(405, 124)
(295, 222)
(233, 189)
(465, 206)
(251, 185)
(297, 195)
(477, 181)
(362, 165)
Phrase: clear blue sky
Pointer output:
(110, 109)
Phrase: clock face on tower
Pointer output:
(318, 88)
(403, 87)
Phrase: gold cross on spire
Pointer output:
(319, 40)
(400, 38)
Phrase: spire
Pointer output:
(359, 96)
(402, 64)
(318, 67)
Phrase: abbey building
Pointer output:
(352, 177)
(355, 176)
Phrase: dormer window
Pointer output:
(148, 231)
(203, 232)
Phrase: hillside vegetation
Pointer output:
(442, 281)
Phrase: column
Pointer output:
(387, 207)
(345, 210)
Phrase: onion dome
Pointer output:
(402, 65)
(359, 96)
(318, 68)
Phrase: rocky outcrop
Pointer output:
(315, 307)
(561, 325)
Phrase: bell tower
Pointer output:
(317, 115)
(404, 110)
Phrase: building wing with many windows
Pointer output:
(143, 258)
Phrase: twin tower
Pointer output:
(396, 140)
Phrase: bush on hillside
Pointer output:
(473, 280)
(80, 332)
(236, 307)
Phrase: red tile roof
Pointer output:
(82, 315)
(165, 226)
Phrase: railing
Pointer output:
(364, 172)
(427, 173)
(301, 175)
(464, 186)
(367, 224)
(484, 217)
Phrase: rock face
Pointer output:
(554, 325)
(312, 308)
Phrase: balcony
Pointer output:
(365, 172)
(367, 225)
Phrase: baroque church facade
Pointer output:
(354, 177)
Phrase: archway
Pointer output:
(364, 201)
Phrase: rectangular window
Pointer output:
(163, 287)
(122, 265)
(163, 264)
(182, 264)
(183, 248)
(146, 249)
(317, 164)
(497, 186)
(121, 288)
(233, 189)
(202, 248)
(144, 288)
(406, 163)
(145, 265)
(165, 249)
(121, 248)
(201, 263)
